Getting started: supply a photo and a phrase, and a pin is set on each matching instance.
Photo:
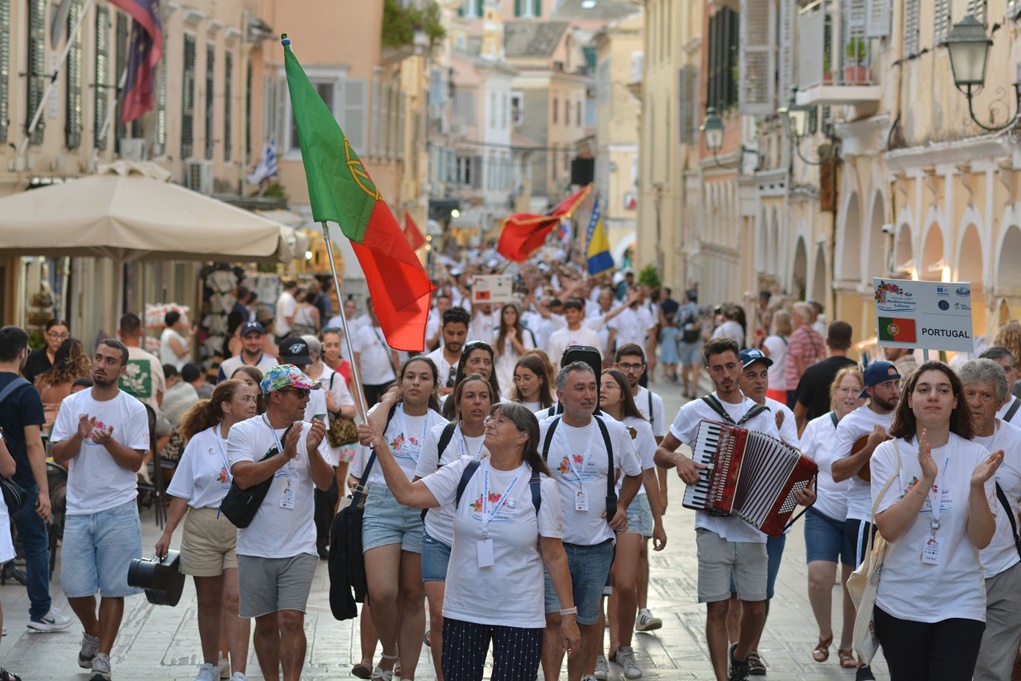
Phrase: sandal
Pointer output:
(363, 670)
(847, 659)
(821, 653)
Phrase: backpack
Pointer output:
(584, 353)
(445, 437)
(469, 473)
(691, 327)
(611, 489)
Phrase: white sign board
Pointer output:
(931, 315)
(493, 288)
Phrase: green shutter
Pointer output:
(210, 99)
(5, 67)
(36, 66)
(73, 98)
(228, 105)
(188, 98)
(102, 65)
(517, 8)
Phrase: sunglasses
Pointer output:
(302, 393)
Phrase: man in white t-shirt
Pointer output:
(984, 389)
(143, 377)
(251, 353)
(453, 334)
(634, 322)
(726, 545)
(102, 434)
(441, 303)
(575, 334)
(277, 552)
(376, 361)
(286, 309)
(578, 461)
(1011, 407)
(484, 322)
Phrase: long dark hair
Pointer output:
(208, 413)
(627, 400)
(534, 363)
(256, 375)
(494, 384)
(69, 363)
(459, 393)
(904, 425)
(501, 336)
(524, 421)
(434, 401)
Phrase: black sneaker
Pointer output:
(738, 668)
(864, 674)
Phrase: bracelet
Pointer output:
(569, 611)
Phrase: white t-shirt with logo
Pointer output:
(645, 447)
(911, 588)
(578, 461)
(406, 436)
(685, 429)
(817, 444)
(856, 424)
(657, 418)
(565, 338)
(512, 588)
(1002, 551)
(95, 481)
(203, 473)
(376, 361)
(439, 522)
(232, 364)
(283, 526)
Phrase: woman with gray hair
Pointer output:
(985, 389)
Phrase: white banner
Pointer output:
(493, 288)
(931, 315)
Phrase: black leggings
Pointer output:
(516, 652)
(918, 651)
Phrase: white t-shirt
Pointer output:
(287, 306)
(1001, 413)
(730, 329)
(777, 347)
(406, 436)
(445, 370)
(910, 588)
(376, 361)
(657, 418)
(632, 325)
(232, 364)
(577, 459)
(95, 481)
(283, 526)
(789, 427)
(1002, 552)
(645, 446)
(512, 588)
(481, 327)
(167, 354)
(6, 541)
(203, 473)
(817, 444)
(859, 422)
(564, 338)
(439, 522)
(685, 429)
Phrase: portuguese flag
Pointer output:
(524, 233)
(897, 330)
(341, 191)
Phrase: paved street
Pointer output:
(162, 643)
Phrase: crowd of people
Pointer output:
(515, 471)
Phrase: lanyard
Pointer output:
(584, 455)
(488, 515)
(219, 444)
(935, 492)
(404, 431)
(464, 440)
(280, 446)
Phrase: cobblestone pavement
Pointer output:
(158, 642)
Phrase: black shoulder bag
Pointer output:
(240, 505)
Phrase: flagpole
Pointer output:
(53, 77)
(355, 376)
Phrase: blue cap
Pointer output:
(753, 355)
(249, 327)
(876, 373)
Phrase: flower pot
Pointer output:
(856, 75)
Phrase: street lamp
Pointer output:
(797, 124)
(712, 131)
(968, 47)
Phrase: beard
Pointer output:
(104, 384)
(887, 405)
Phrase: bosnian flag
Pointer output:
(144, 53)
(267, 167)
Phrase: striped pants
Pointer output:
(516, 652)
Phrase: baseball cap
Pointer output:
(753, 355)
(294, 350)
(252, 327)
(286, 376)
(876, 373)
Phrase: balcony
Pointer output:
(832, 33)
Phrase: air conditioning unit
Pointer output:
(198, 176)
(132, 149)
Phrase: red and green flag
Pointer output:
(524, 233)
(897, 330)
(341, 191)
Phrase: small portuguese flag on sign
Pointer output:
(897, 330)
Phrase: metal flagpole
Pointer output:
(108, 115)
(359, 396)
(53, 77)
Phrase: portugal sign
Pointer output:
(923, 314)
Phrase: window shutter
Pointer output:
(5, 67)
(517, 8)
(36, 66)
(401, 132)
(940, 21)
(786, 66)
(210, 100)
(375, 127)
(73, 99)
(188, 98)
(475, 172)
(682, 107)
(228, 105)
(757, 54)
(102, 66)
(912, 27)
(122, 36)
(353, 122)
(537, 10)
(977, 9)
(878, 19)
(159, 135)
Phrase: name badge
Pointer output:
(580, 501)
(931, 551)
(485, 551)
(287, 497)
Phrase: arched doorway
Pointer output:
(934, 267)
(818, 290)
(877, 240)
(799, 274)
(903, 253)
(850, 250)
(1008, 272)
(969, 268)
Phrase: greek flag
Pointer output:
(267, 167)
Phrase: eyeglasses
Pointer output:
(631, 367)
(58, 336)
(302, 393)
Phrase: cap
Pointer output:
(294, 350)
(286, 376)
(876, 373)
(250, 327)
(753, 355)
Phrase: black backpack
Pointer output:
(611, 489)
(584, 353)
(691, 327)
(469, 473)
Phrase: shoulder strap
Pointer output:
(715, 405)
(752, 413)
(1006, 417)
(652, 415)
(833, 417)
(12, 387)
(549, 439)
(1010, 516)
(466, 475)
(536, 491)
(445, 437)
(611, 487)
(372, 456)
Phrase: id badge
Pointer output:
(287, 497)
(580, 501)
(931, 551)
(485, 551)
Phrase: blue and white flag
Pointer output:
(267, 167)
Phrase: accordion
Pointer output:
(748, 474)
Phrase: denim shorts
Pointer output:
(639, 516)
(435, 557)
(689, 354)
(97, 552)
(590, 569)
(826, 539)
(386, 522)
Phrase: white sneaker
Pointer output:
(208, 672)
(90, 646)
(625, 657)
(54, 620)
(647, 621)
(602, 668)
(238, 676)
(224, 664)
(100, 667)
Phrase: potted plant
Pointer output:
(855, 71)
(827, 68)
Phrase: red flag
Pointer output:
(145, 50)
(414, 236)
(524, 233)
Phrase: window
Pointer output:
(188, 97)
(912, 27)
(567, 111)
(517, 110)
(325, 91)
(577, 114)
(528, 9)
(492, 110)
(122, 37)
(941, 21)
(556, 105)
(159, 135)
(36, 66)
(346, 98)
(5, 67)
(73, 92)
(721, 85)
(977, 9)
(210, 100)
(228, 105)
(464, 107)
(1013, 8)
(471, 9)
(603, 81)
(101, 110)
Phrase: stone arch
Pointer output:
(849, 236)
(933, 251)
(903, 249)
(1008, 269)
(799, 271)
(876, 248)
(969, 267)
(818, 290)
